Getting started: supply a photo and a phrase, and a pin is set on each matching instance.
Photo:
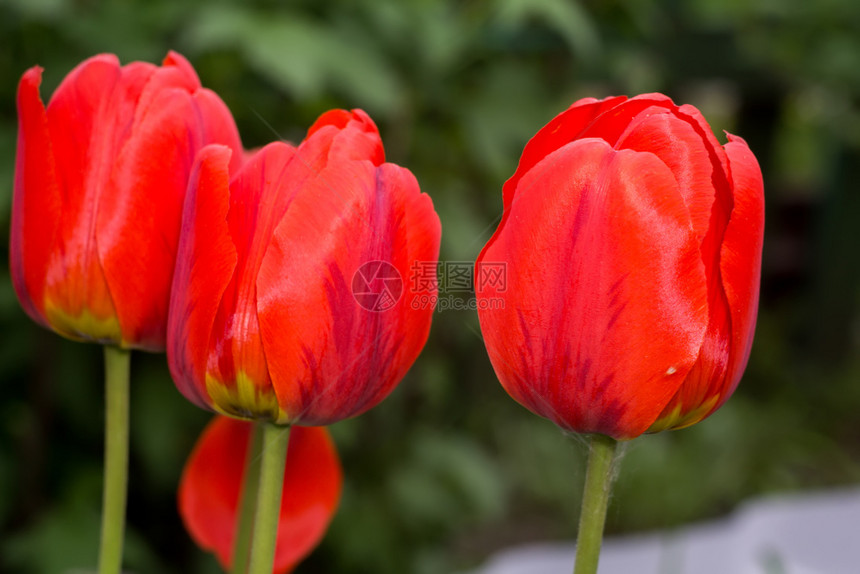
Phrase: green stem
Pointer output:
(116, 459)
(595, 499)
(248, 501)
(274, 458)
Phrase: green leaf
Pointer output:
(302, 56)
(566, 17)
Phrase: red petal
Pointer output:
(140, 213)
(218, 125)
(733, 301)
(338, 359)
(84, 134)
(205, 260)
(36, 204)
(682, 139)
(562, 129)
(344, 135)
(184, 67)
(139, 216)
(704, 389)
(336, 118)
(312, 485)
(180, 78)
(605, 305)
(259, 194)
(697, 165)
(614, 122)
(209, 490)
(741, 254)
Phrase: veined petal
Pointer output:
(205, 262)
(600, 252)
(338, 359)
(209, 491)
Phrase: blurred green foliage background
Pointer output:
(449, 468)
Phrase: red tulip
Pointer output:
(99, 186)
(211, 484)
(632, 243)
(263, 320)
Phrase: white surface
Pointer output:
(809, 534)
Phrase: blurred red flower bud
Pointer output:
(211, 485)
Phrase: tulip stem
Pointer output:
(595, 499)
(117, 363)
(248, 501)
(273, 461)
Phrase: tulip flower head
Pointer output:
(632, 244)
(100, 181)
(264, 323)
(210, 487)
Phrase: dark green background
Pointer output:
(449, 468)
